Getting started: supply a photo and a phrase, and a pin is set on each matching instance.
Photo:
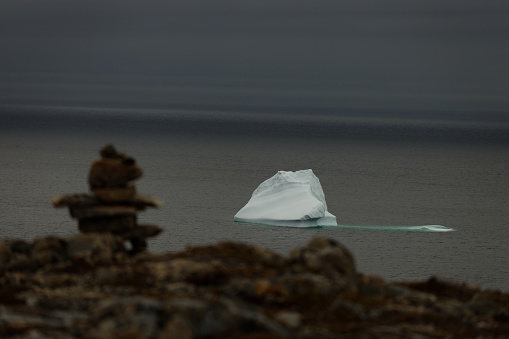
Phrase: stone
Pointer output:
(115, 194)
(138, 244)
(247, 253)
(49, 249)
(77, 199)
(345, 308)
(114, 224)
(327, 256)
(142, 201)
(113, 170)
(94, 247)
(485, 303)
(112, 173)
(140, 231)
(109, 152)
(177, 327)
(290, 319)
(107, 197)
(21, 246)
(372, 286)
(270, 291)
(135, 317)
(212, 317)
(101, 211)
(309, 284)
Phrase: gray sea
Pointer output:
(377, 168)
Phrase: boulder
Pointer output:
(326, 256)
(93, 247)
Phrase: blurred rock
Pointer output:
(88, 286)
(113, 170)
(328, 257)
(111, 224)
(116, 194)
(94, 248)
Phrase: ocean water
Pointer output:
(376, 169)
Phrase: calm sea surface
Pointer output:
(376, 168)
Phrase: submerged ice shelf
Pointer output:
(296, 199)
(422, 228)
(293, 199)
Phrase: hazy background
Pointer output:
(398, 54)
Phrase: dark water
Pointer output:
(376, 168)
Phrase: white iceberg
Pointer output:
(292, 199)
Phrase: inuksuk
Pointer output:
(113, 203)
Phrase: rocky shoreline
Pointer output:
(91, 286)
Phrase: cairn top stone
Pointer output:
(114, 169)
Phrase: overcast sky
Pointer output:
(339, 54)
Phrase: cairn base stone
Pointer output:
(115, 225)
(141, 231)
(101, 211)
(138, 244)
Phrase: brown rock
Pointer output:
(142, 201)
(290, 319)
(138, 245)
(270, 291)
(101, 211)
(177, 327)
(246, 253)
(115, 224)
(141, 231)
(115, 194)
(107, 196)
(49, 249)
(112, 173)
(135, 317)
(109, 152)
(372, 286)
(77, 199)
(326, 256)
(307, 283)
(94, 247)
(486, 303)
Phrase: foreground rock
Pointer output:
(89, 286)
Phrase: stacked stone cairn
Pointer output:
(113, 203)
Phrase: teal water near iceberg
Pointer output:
(422, 228)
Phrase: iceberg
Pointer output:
(293, 199)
